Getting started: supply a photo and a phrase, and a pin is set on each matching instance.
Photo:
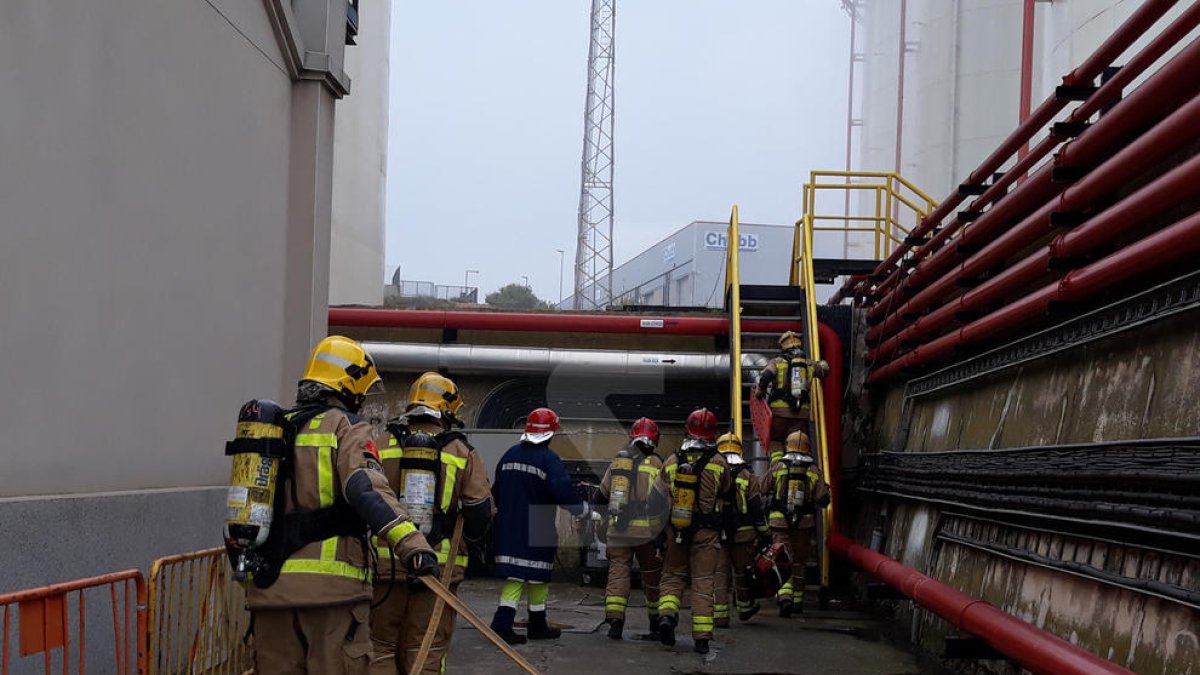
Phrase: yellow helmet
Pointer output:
(790, 340)
(435, 394)
(344, 367)
(729, 443)
(797, 441)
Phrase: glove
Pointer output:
(423, 563)
(595, 516)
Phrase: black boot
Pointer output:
(747, 613)
(655, 622)
(502, 623)
(666, 630)
(615, 626)
(539, 629)
(701, 647)
(785, 608)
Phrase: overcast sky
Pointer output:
(717, 102)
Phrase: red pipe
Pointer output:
(831, 351)
(1159, 250)
(545, 323)
(1040, 651)
(1153, 200)
(1158, 90)
(1026, 70)
(1173, 84)
(1120, 40)
(1170, 189)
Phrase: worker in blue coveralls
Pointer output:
(531, 483)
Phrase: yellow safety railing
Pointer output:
(896, 202)
(734, 293)
(198, 616)
(804, 271)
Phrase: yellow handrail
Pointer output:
(734, 293)
(894, 196)
(804, 270)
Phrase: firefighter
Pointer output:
(786, 384)
(625, 489)
(314, 618)
(796, 491)
(439, 478)
(693, 486)
(531, 482)
(746, 523)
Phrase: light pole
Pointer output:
(561, 256)
(525, 278)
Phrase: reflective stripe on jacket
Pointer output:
(644, 525)
(335, 459)
(531, 483)
(715, 484)
(463, 483)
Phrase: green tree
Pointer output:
(515, 296)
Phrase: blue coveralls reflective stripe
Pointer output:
(531, 483)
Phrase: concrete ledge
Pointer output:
(59, 538)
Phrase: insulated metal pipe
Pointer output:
(1040, 651)
(480, 360)
(1120, 40)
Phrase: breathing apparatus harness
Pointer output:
(691, 461)
(793, 494)
(267, 437)
(624, 480)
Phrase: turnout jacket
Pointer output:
(773, 486)
(336, 461)
(464, 490)
(773, 381)
(643, 525)
(715, 486)
(531, 482)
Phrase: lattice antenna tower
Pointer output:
(594, 252)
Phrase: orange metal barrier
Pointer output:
(44, 623)
(198, 617)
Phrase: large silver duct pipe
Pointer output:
(478, 360)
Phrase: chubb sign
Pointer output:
(718, 241)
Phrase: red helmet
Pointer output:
(702, 424)
(540, 425)
(645, 430)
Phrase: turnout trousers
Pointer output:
(313, 640)
(398, 626)
(741, 554)
(700, 558)
(721, 590)
(620, 569)
(798, 541)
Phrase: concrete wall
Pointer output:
(360, 150)
(1138, 384)
(165, 220)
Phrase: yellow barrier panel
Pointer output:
(198, 616)
(733, 283)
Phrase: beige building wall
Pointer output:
(164, 243)
(360, 165)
